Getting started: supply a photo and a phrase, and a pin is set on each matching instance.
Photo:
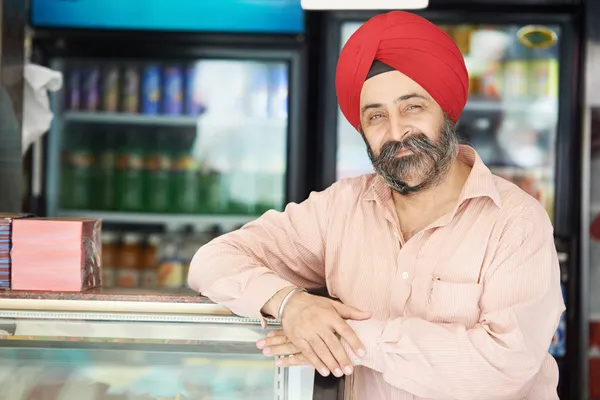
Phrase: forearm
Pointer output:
(427, 359)
(236, 280)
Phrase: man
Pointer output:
(447, 276)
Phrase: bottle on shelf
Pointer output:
(184, 174)
(110, 249)
(131, 89)
(151, 90)
(170, 268)
(149, 271)
(157, 173)
(90, 88)
(104, 170)
(110, 88)
(130, 261)
(76, 174)
(209, 190)
(172, 92)
(129, 194)
(193, 100)
(73, 101)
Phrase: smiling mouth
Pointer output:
(403, 152)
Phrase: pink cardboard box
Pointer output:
(56, 254)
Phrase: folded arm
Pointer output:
(243, 269)
(520, 307)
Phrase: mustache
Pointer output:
(417, 143)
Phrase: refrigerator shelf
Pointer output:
(171, 222)
(543, 105)
(128, 119)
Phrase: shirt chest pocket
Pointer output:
(450, 302)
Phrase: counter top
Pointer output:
(173, 301)
(113, 294)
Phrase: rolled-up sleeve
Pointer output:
(243, 269)
(521, 305)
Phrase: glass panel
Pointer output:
(185, 138)
(129, 374)
(512, 112)
(594, 252)
(196, 147)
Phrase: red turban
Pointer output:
(412, 45)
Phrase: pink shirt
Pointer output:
(465, 309)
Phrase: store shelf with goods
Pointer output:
(110, 118)
(171, 222)
(517, 105)
(107, 118)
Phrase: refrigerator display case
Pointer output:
(172, 127)
(590, 209)
(521, 118)
(112, 349)
(172, 118)
(155, 140)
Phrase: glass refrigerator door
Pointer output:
(165, 142)
(125, 360)
(512, 112)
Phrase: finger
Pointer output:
(281, 350)
(335, 346)
(313, 358)
(296, 360)
(279, 332)
(348, 334)
(349, 312)
(271, 341)
(323, 352)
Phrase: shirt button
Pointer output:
(405, 275)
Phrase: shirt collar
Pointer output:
(480, 182)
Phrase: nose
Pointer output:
(398, 129)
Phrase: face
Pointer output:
(410, 141)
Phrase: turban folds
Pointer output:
(412, 45)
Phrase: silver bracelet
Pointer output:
(287, 298)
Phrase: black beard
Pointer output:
(428, 163)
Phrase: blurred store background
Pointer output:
(181, 120)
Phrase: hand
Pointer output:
(311, 323)
(277, 344)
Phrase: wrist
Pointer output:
(286, 299)
(272, 306)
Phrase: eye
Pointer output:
(412, 107)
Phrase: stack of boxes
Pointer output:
(49, 254)
(6, 221)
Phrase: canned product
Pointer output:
(74, 100)
(151, 90)
(192, 101)
(172, 91)
(91, 80)
(131, 90)
(110, 89)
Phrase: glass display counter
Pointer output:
(129, 349)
